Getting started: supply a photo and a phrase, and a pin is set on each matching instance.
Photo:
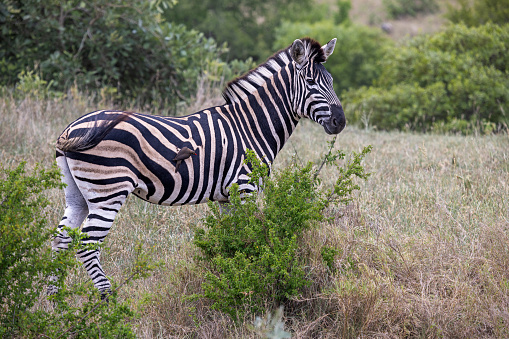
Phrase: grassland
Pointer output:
(423, 248)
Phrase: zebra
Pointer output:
(106, 155)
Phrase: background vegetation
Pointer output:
(479, 12)
(448, 82)
(420, 251)
(125, 49)
(154, 54)
(247, 25)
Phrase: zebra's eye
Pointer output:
(310, 81)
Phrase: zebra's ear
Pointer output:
(298, 53)
(328, 48)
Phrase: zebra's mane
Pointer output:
(241, 87)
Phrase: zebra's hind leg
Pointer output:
(102, 212)
(76, 210)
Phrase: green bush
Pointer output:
(247, 25)
(479, 12)
(436, 81)
(97, 44)
(26, 262)
(400, 8)
(355, 61)
(254, 255)
(23, 235)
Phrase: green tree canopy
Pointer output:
(247, 25)
(125, 45)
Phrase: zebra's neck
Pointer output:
(239, 88)
(265, 112)
(263, 98)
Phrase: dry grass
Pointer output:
(424, 248)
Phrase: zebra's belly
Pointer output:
(185, 199)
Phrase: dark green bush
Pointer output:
(97, 44)
(247, 25)
(400, 8)
(355, 61)
(26, 262)
(254, 254)
(433, 82)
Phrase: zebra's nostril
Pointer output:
(334, 122)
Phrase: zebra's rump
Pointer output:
(89, 130)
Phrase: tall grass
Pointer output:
(423, 251)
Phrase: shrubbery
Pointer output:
(125, 46)
(23, 233)
(247, 25)
(401, 8)
(479, 12)
(451, 81)
(254, 255)
(355, 61)
(26, 262)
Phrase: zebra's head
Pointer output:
(314, 95)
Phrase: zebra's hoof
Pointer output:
(105, 295)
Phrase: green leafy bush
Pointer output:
(435, 81)
(355, 62)
(26, 262)
(479, 12)
(247, 25)
(97, 44)
(23, 234)
(254, 255)
(401, 8)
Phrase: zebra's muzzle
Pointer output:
(336, 122)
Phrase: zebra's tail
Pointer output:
(82, 139)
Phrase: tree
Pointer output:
(246, 25)
(123, 45)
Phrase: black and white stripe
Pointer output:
(106, 155)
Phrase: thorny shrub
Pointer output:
(252, 254)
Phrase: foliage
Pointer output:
(479, 12)
(355, 61)
(434, 82)
(253, 255)
(26, 262)
(23, 234)
(343, 14)
(98, 44)
(400, 8)
(247, 25)
(32, 85)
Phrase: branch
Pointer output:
(326, 158)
